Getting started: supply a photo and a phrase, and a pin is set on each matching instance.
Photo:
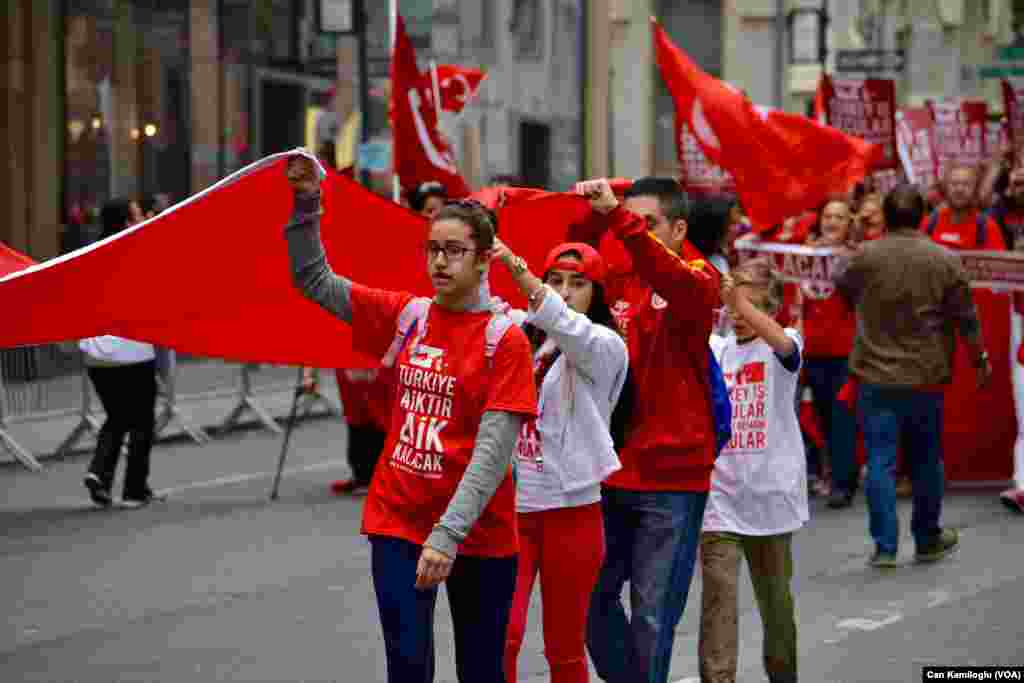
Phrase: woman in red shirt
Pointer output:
(829, 328)
(441, 505)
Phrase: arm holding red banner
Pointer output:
(688, 286)
(312, 275)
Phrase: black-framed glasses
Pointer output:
(453, 251)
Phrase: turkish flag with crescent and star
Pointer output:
(458, 85)
(419, 151)
(782, 164)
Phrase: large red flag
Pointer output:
(419, 150)
(210, 276)
(458, 85)
(12, 261)
(782, 163)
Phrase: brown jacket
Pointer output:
(911, 296)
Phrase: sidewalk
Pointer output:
(207, 393)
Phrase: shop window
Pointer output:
(126, 105)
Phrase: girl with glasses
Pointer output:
(441, 506)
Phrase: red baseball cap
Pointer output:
(590, 265)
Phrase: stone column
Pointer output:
(205, 86)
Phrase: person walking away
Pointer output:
(758, 495)
(654, 505)
(441, 506)
(910, 295)
(581, 366)
(123, 373)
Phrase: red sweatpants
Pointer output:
(566, 545)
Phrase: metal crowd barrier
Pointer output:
(50, 382)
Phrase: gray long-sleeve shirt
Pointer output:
(496, 438)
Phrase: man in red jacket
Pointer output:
(663, 296)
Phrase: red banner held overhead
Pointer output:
(865, 108)
(960, 132)
(915, 134)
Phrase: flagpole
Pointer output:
(437, 90)
(396, 187)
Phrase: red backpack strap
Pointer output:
(412, 320)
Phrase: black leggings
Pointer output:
(128, 395)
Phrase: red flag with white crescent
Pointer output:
(420, 152)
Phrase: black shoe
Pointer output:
(99, 493)
(944, 544)
(142, 499)
(840, 499)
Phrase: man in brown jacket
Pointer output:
(911, 296)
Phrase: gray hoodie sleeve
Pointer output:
(310, 271)
(488, 467)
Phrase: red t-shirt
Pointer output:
(443, 386)
(664, 309)
(964, 235)
(829, 322)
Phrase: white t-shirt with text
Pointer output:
(759, 484)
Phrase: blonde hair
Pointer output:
(759, 274)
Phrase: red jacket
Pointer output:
(663, 305)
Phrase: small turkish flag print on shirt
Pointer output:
(751, 373)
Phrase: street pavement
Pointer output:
(219, 584)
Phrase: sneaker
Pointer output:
(947, 541)
(347, 486)
(840, 499)
(145, 498)
(1013, 498)
(99, 493)
(882, 560)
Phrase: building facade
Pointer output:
(128, 98)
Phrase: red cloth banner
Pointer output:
(915, 133)
(865, 108)
(782, 163)
(420, 152)
(969, 412)
(210, 276)
(960, 132)
(12, 261)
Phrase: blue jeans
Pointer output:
(651, 541)
(480, 596)
(885, 412)
(826, 376)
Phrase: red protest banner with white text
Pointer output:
(697, 173)
(915, 134)
(960, 132)
(1012, 98)
(865, 108)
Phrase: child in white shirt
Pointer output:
(758, 494)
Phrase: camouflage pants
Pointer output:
(770, 560)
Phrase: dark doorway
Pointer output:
(282, 118)
(535, 154)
